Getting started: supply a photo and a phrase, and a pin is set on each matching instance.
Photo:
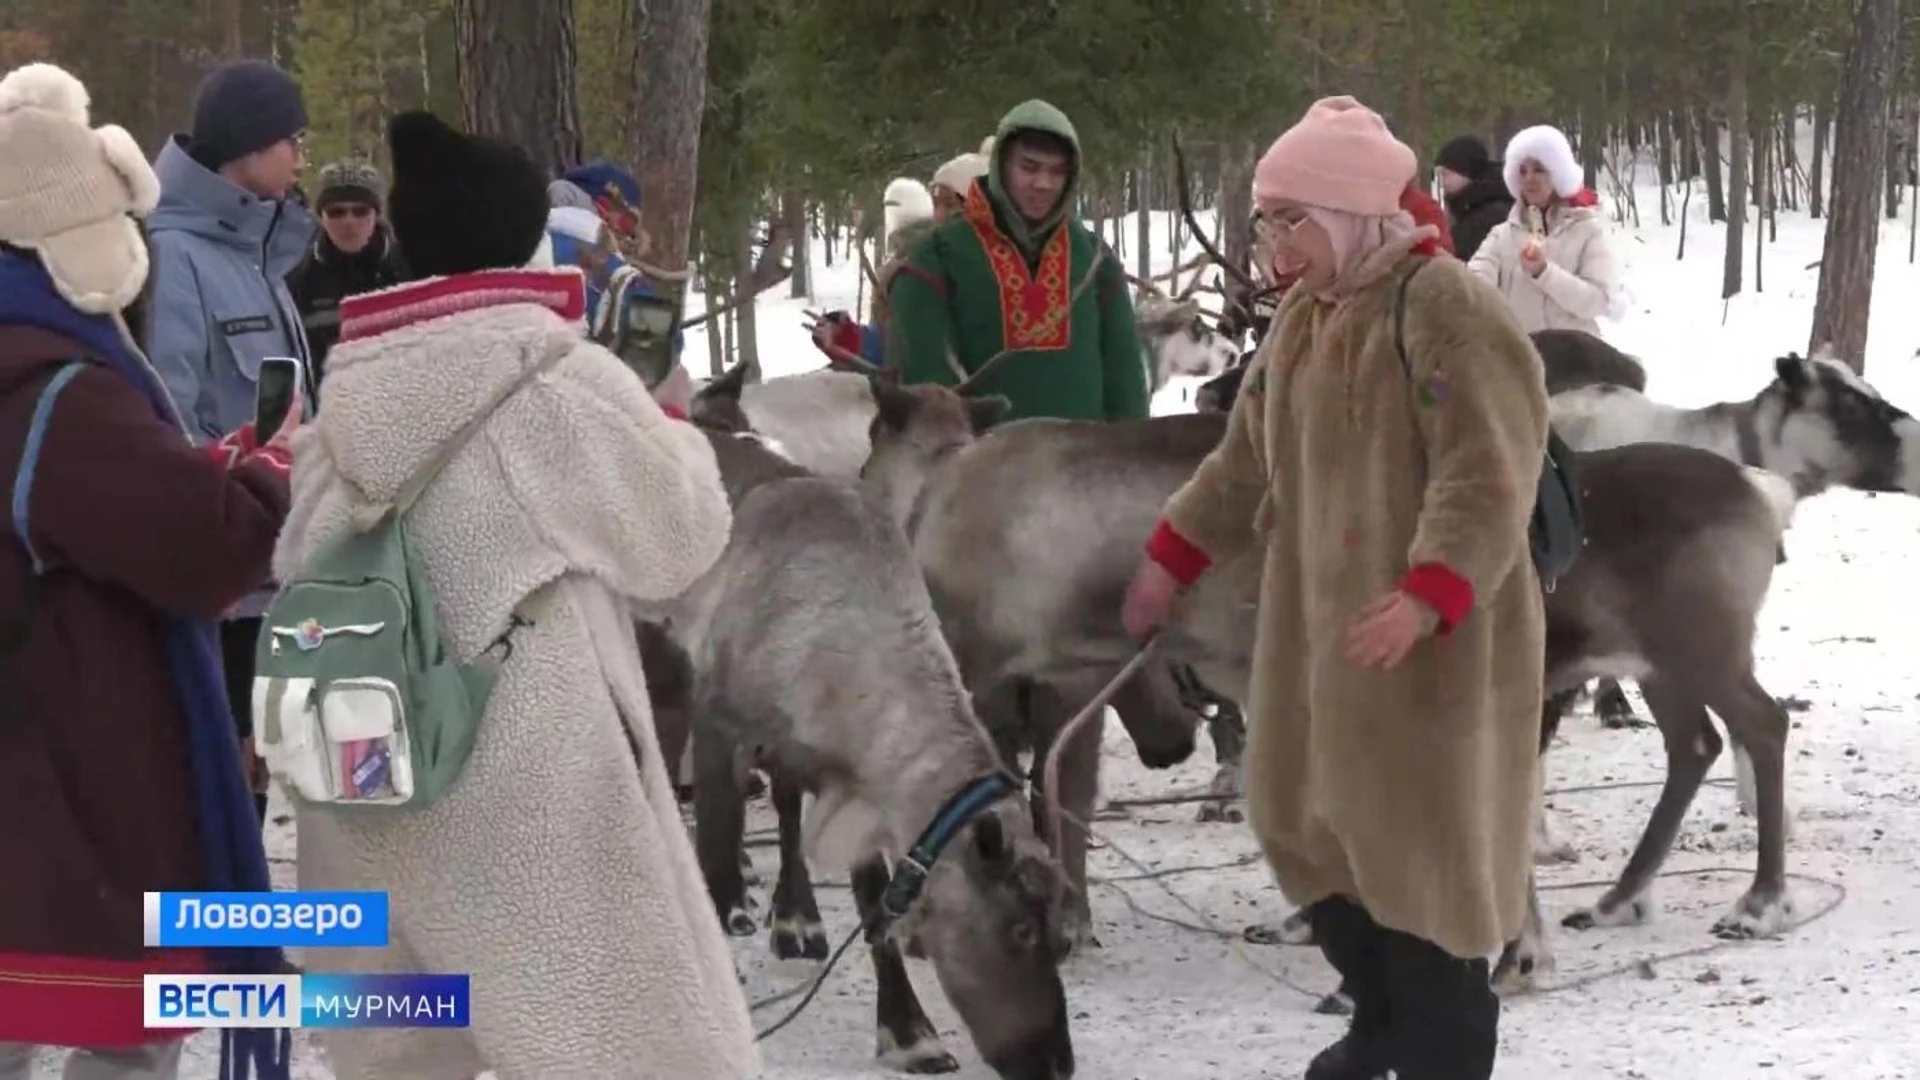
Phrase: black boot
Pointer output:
(1446, 1017)
(1350, 940)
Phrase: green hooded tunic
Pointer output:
(987, 277)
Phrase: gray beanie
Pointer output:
(351, 182)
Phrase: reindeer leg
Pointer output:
(1546, 848)
(1528, 956)
(1692, 745)
(797, 932)
(1615, 711)
(719, 828)
(1227, 728)
(906, 1039)
(1759, 726)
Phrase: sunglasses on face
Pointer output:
(347, 210)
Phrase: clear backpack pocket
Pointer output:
(346, 743)
(366, 739)
(287, 736)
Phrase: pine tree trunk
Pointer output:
(1738, 157)
(670, 95)
(1235, 206)
(517, 76)
(802, 237)
(1143, 222)
(1711, 164)
(1817, 176)
(1860, 143)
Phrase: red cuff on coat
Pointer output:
(1438, 587)
(1180, 556)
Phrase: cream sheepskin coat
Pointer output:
(557, 873)
(1581, 283)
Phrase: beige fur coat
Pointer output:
(557, 873)
(1410, 790)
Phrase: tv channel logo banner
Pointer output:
(306, 920)
(306, 1001)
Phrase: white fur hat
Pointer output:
(67, 189)
(1547, 145)
(907, 200)
(959, 174)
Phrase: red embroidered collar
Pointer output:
(562, 292)
(1035, 313)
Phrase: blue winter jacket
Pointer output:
(220, 301)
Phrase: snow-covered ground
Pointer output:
(1835, 998)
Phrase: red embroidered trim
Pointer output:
(78, 1001)
(1034, 314)
(563, 292)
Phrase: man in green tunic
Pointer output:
(1016, 273)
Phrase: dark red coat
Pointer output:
(96, 790)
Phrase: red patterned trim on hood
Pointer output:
(369, 314)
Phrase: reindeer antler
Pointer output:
(1193, 223)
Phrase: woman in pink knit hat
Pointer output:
(1381, 461)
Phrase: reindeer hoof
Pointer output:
(1335, 1004)
(739, 923)
(799, 939)
(1520, 967)
(1755, 917)
(1223, 810)
(1632, 913)
(924, 1056)
(1295, 929)
(1555, 854)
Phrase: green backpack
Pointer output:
(356, 702)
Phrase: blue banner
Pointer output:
(305, 920)
(306, 1001)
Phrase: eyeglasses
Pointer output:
(347, 210)
(1271, 228)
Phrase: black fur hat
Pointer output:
(461, 203)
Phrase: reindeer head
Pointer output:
(914, 428)
(986, 922)
(1821, 424)
(1177, 336)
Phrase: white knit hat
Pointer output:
(66, 189)
(959, 174)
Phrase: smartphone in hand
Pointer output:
(280, 380)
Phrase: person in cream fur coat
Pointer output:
(1551, 258)
(557, 872)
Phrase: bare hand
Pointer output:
(1387, 629)
(1532, 258)
(1150, 599)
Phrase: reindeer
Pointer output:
(1573, 359)
(820, 419)
(1818, 424)
(882, 732)
(1029, 532)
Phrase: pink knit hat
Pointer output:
(1340, 156)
